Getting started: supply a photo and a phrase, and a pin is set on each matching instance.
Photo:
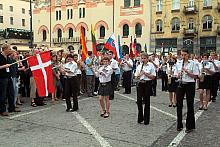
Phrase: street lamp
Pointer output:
(31, 29)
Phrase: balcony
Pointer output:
(66, 40)
(218, 30)
(189, 32)
(190, 9)
(218, 7)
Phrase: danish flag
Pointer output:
(41, 68)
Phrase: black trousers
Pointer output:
(164, 79)
(143, 94)
(154, 86)
(113, 83)
(78, 84)
(189, 90)
(127, 81)
(215, 85)
(96, 84)
(71, 89)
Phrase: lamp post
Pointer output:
(31, 28)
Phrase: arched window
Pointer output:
(137, 3)
(44, 35)
(207, 22)
(70, 33)
(59, 35)
(175, 24)
(125, 30)
(102, 32)
(127, 3)
(159, 25)
(138, 30)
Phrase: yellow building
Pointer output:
(57, 24)
(191, 24)
(15, 23)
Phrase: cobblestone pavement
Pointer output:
(52, 126)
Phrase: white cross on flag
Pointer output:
(41, 68)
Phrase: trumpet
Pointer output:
(181, 77)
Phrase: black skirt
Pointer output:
(207, 83)
(105, 89)
(173, 86)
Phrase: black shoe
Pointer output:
(68, 110)
(90, 95)
(75, 109)
(188, 130)
(201, 108)
(213, 100)
(146, 123)
(174, 106)
(179, 129)
(102, 114)
(170, 105)
(140, 121)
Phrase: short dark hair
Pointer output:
(15, 48)
(69, 56)
(75, 55)
(145, 54)
(185, 50)
(205, 54)
(89, 53)
(111, 52)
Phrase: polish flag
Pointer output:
(41, 68)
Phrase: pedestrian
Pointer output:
(186, 72)
(145, 72)
(104, 73)
(71, 83)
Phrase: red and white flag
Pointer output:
(41, 68)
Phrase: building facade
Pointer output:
(15, 23)
(191, 24)
(57, 23)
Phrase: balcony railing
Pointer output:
(218, 7)
(218, 30)
(66, 40)
(190, 9)
(189, 32)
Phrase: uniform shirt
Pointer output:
(72, 67)
(217, 63)
(5, 72)
(164, 67)
(191, 67)
(89, 71)
(157, 62)
(125, 66)
(169, 70)
(207, 65)
(114, 64)
(107, 70)
(148, 68)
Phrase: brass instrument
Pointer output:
(138, 76)
(202, 76)
(181, 77)
(170, 74)
(91, 63)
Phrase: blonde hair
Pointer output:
(5, 46)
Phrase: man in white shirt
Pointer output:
(216, 76)
(127, 65)
(156, 64)
(114, 66)
(186, 73)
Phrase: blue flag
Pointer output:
(120, 49)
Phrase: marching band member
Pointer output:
(105, 89)
(163, 68)
(70, 88)
(216, 76)
(114, 66)
(206, 70)
(172, 85)
(127, 65)
(156, 64)
(146, 73)
(186, 73)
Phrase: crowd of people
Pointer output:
(181, 75)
